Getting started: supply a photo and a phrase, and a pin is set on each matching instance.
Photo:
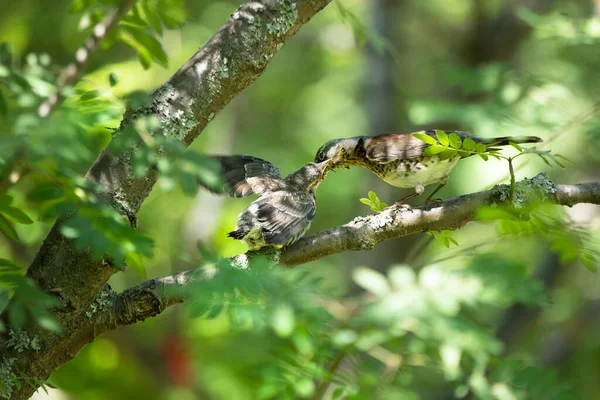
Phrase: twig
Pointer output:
(73, 71)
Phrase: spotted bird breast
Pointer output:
(408, 173)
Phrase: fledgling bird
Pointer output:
(285, 208)
(399, 158)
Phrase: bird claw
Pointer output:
(436, 201)
(399, 204)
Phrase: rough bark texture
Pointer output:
(230, 61)
(150, 298)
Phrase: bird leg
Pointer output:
(419, 189)
(443, 183)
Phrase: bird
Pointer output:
(401, 160)
(285, 208)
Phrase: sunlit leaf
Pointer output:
(425, 138)
(16, 214)
(516, 146)
(469, 144)
(371, 280)
(455, 141)
(433, 150)
(442, 137)
(283, 320)
(146, 45)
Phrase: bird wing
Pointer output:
(396, 146)
(242, 176)
(285, 216)
(402, 146)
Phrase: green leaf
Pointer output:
(564, 158)
(90, 95)
(589, 261)
(113, 79)
(45, 193)
(134, 261)
(480, 148)
(484, 156)
(442, 137)
(516, 146)
(152, 17)
(134, 18)
(46, 321)
(305, 387)
(371, 280)
(80, 5)
(373, 196)
(366, 201)
(469, 144)
(172, 13)
(544, 159)
(8, 229)
(17, 215)
(455, 141)
(448, 154)
(433, 150)
(283, 320)
(425, 138)
(148, 43)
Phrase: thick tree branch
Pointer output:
(150, 298)
(230, 61)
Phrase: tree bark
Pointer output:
(230, 61)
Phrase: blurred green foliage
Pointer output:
(507, 314)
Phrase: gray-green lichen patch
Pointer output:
(223, 70)
(176, 119)
(103, 302)
(241, 261)
(20, 341)
(529, 190)
(382, 219)
(288, 14)
(7, 377)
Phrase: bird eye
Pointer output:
(320, 156)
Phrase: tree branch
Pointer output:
(230, 61)
(150, 298)
(73, 71)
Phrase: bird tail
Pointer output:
(237, 234)
(505, 140)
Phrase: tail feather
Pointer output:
(505, 140)
(237, 234)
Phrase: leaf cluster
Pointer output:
(138, 28)
(374, 202)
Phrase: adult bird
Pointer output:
(285, 208)
(401, 159)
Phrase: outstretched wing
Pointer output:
(285, 217)
(242, 176)
(400, 146)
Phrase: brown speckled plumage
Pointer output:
(398, 158)
(284, 209)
